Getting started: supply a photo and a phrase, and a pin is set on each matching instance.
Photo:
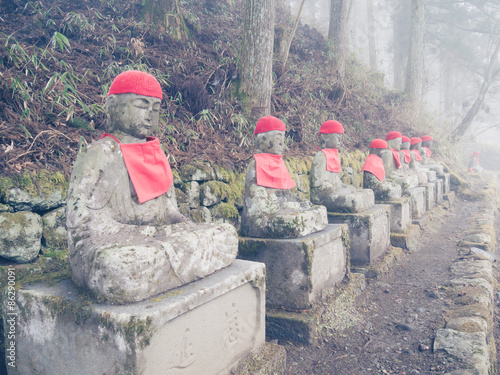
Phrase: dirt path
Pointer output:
(398, 314)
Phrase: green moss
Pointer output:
(226, 211)
(5, 184)
(219, 189)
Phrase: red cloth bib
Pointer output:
(417, 155)
(147, 166)
(332, 159)
(428, 151)
(375, 165)
(397, 158)
(407, 156)
(271, 172)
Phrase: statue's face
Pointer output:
(416, 146)
(395, 143)
(405, 145)
(333, 140)
(429, 143)
(133, 114)
(272, 142)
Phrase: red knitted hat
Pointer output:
(406, 139)
(393, 135)
(378, 143)
(268, 123)
(415, 140)
(331, 126)
(136, 82)
(427, 138)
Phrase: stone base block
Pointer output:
(446, 182)
(450, 197)
(289, 326)
(369, 232)
(418, 202)
(421, 221)
(383, 265)
(430, 195)
(400, 214)
(205, 327)
(407, 240)
(297, 270)
(439, 191)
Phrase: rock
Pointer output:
(192, 191)
(213, 192)
(478, 238)
(54, 229)
(423, 348)
(200, 215)
(483, 253)
(20, 236)
(405, 327)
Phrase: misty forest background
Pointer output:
(416, 66)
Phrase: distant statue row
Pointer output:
(126, 237)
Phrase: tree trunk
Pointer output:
(474, 109)
(256, 61)
(415, 69)
(372, 55)
(401, 18)
(167, 15)
(337, 34)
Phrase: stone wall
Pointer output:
(32, 206)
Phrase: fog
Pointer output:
(460, 42)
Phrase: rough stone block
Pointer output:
(204, 327)
(55, 234)
(407, 240)
(446, 182)
(369, 232)
(400, 214)
(430, 195)
(439, 191)
(20, 236)
(297, 270)
(450, 197)
(418, 202)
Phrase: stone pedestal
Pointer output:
(446, 182)
(369, 232)
(205, 327)
(430, 195)
(439, 191)
(400, 214)
(297, 270)
(418, 202)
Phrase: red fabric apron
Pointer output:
(407, 156)
(397, 158)
(147, 166)
(417, 155)
(375, 166)
(427, 151)
(332, 159)
(271, 172)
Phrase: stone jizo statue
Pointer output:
(405, 153)
(270, 209)
(429, 162)
(127, 240)
(327, 188)
(474, 165)
(393, 163)
(416, 160)
(374, 172)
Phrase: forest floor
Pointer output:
(398, 314)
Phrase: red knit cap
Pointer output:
(378, 143)
(331, 126)
(427, 138)
(135, 82)
(406, 139)
(393, 135)
(269, 123)
(415, 140)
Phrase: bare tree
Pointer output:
(256, 61)
(167, 15)
(288, 41)
(415, 69)
(337, 34)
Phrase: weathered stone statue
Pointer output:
(405, 153)
(374, 172)
(474, 165)
(393, 163)
(270, 208)
(127, 240)
(416, 159)
(428, 161)
(327, 188)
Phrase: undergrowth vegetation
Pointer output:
(58, 58)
